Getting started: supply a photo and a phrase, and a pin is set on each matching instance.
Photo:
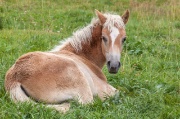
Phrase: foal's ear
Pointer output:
(101, 17)
(125, 16)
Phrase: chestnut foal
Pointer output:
(72, 70)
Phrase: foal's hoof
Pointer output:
(62, 108)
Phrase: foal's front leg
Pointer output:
(85, 95)
(105, 90)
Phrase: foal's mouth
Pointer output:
(113, 67)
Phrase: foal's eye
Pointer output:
(104, 39)
(124, 39)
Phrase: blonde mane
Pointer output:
(84, 35)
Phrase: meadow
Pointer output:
(149, 79)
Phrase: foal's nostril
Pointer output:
(108, 63)
(119, 64)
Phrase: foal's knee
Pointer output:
(85, 97)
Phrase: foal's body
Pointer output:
(60, 75)
(56, 78)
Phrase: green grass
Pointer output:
(149, 80)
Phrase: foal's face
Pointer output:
(112, 42)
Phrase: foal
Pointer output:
(72, 70)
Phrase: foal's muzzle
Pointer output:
(113, 66)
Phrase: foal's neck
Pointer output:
(91, 51)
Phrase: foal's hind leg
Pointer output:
(64, 107)
(85, 96)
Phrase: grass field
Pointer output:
(149, 80)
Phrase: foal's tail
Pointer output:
(18, 94)
(14, 88)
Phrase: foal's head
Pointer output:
(113, 36)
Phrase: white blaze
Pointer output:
(114, 33)
(114, 54)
